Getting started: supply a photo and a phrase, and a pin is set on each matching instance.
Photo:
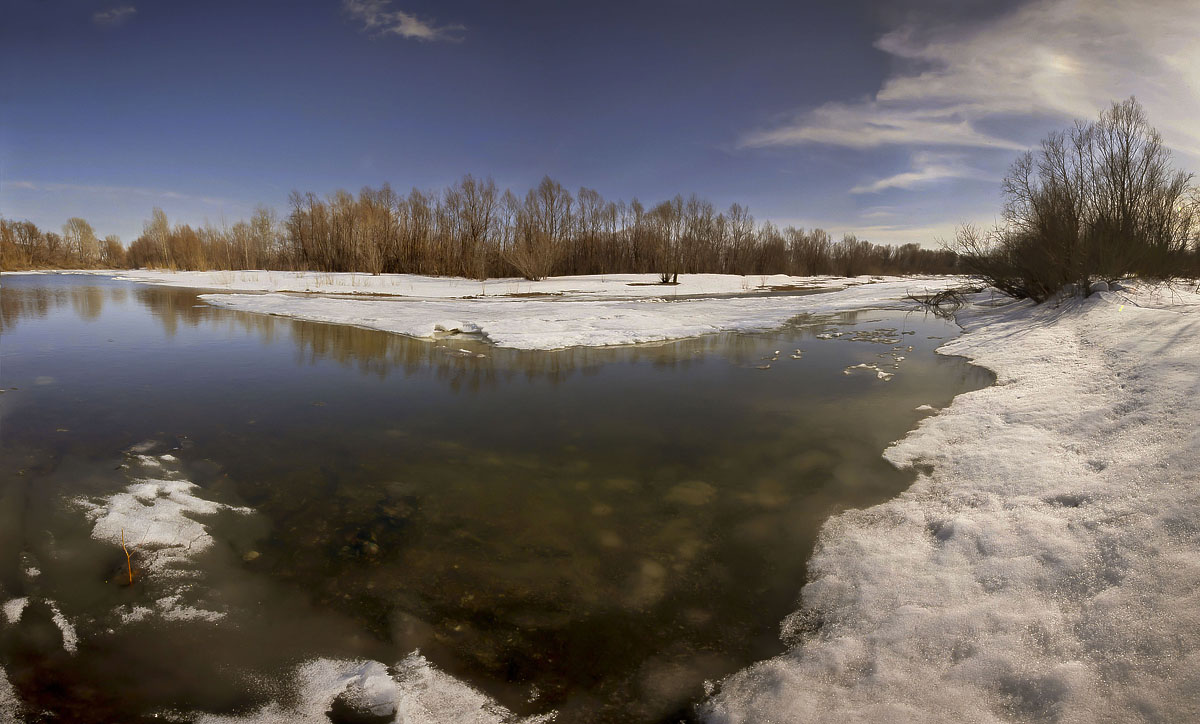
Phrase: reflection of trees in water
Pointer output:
(22, 302)
(171, 306)
(468, 364)
(18, 303)
(88, 302)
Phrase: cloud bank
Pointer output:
(964, 84)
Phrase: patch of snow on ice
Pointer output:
(162, 520)
(170, 608)
(156, 518)
(10, 707)
(414, 693)
(13, 608)
(70, 638)
(133, 614)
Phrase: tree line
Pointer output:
(24, 246)
(473, 229)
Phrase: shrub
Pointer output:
(1100, 201)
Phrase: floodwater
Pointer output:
(596, 532)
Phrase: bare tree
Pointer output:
(112, 252)
(81, 241)
(1099, 201)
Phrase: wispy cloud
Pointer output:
(378, 17)
(870, 125)
(114, 190)
(927, 167)
(114, 16)
(880, 227)
(958, 84)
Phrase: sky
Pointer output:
(892, 120)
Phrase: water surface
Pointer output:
(592, 531)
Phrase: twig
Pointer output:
(128, 562)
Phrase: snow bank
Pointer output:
(1046, 567)
(414, 692)
(553, 324)
(425, 287)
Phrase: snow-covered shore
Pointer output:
(1046, 564)
(594, 286)
(587, 319)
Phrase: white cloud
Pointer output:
(927, 167)
(378, 17)
(114, 16)
(114, 190)
(1061, 59)
(871, 124)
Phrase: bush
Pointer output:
(1097, 202)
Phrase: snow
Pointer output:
(1045, 565)
(155, 517)
(525, 323)
(10, 708)
(885, 376)
(13, 608)
(427, 287)
(70, 638)
(161, 520)
(413, 693)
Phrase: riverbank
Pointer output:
(1046, 563)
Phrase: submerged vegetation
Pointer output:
(1099, 202)
(473, 229)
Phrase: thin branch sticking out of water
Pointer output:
(946, 302)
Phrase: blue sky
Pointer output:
(894, 120)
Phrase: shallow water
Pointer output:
(592, 531)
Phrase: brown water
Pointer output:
(591, 531)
